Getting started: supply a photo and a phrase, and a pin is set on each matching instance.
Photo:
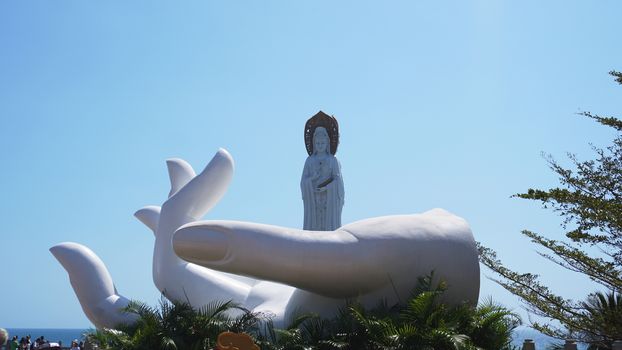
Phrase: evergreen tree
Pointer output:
(589, 201)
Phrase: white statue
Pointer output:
(287, 270)
(322, 185)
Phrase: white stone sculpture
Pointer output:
(287, 270)
(321, 183)
(322, 186)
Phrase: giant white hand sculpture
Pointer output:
(287, 270)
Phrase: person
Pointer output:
(322, 186)
(74, 345)
(14, 343)
(41, 341)
(4, 336)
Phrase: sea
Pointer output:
(542, 341)
(66, 335)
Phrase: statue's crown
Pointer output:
(321, 119)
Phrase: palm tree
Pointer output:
(176, 325)
(603, 311)
(424, 322)
(491, 326)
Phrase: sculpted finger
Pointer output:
(384, 252)
(204, 191)
(179, 173)
(93, 285)
(329, 263)
(149, 215)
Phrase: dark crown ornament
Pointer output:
(329, 123)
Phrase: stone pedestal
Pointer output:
(528, 344)
(570, 345)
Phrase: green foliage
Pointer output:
(617, 75)
(424, 322)
(589, 201)
(175, 326)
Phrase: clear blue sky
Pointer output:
(441, 104)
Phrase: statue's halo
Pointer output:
(329, 123)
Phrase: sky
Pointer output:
(444, 104)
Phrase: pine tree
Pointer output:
(589, 201)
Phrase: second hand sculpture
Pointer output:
(276, 269)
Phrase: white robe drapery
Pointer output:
(322, 210)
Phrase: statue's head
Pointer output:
(327, 126)
(321, 141)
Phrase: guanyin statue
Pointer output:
(321, 183)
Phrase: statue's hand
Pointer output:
(353, 260)
(321, 189)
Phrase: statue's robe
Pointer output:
(315, 218)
